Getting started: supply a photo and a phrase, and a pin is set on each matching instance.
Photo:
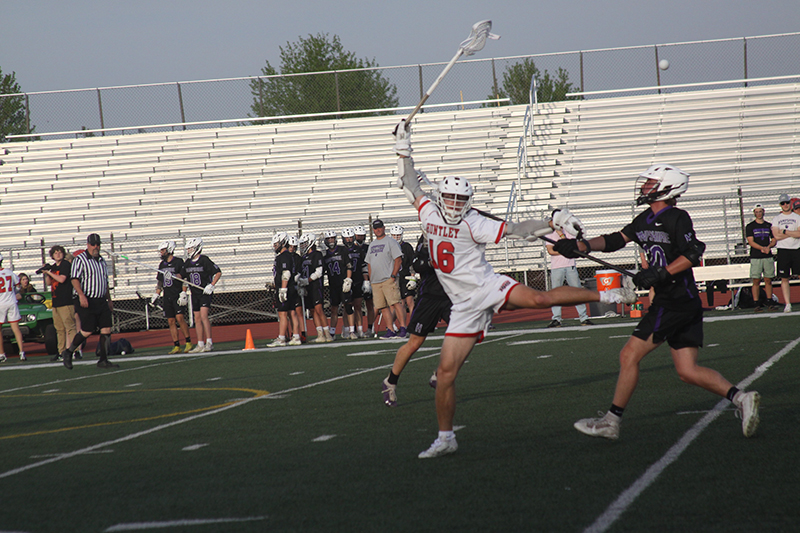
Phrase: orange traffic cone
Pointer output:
(248, 341)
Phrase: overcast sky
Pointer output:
(70, 44)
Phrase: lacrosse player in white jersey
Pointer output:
(457, 238)
(9, 312)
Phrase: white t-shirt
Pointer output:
(8, 280)
(559, 261)
(458, 252)
(789, 222)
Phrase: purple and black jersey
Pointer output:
(172, 287)
(199, 272)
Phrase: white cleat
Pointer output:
(197, 349)
(277, 343)
(440, 447)
(208, 347)
(295, 342)
(787, 308)
(22, 356)
(606, 426)
(747, 410)
(620, 295)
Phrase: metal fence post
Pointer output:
(100, 105)
(581, 61)
(180, 103)
(28, 114)
(338, 101)
(658, 70)
(744, 41)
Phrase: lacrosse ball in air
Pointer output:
(663, 64)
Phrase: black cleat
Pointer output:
(66, 355)
(105, 363)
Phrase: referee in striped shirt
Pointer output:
(90, 281)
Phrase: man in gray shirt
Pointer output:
(384, 260)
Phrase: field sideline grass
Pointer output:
(298, 439)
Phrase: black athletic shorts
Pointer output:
(337, 296)
(681, 329)
(426, 315)
(171, 307)
(289, 305)
(97, 315)
(200, 299)
(314, 294)
(788, 263)
(404, 292)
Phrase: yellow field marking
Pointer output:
(256, 394)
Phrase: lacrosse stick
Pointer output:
(164, 272)
(149, 303)
(581, 254)
(474, 43)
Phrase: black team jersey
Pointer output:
(200, 272)
(311, 261)
(284, 261)
(665, 236)
(429, 285)
(172, 287)
(337, 263)
(408, 259)
(357, 253)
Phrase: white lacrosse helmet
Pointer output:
(279, 240)
(669, 182)
(194, 247)
(348, 236)
(397, 229)
(359, 231)
(293, 240)
(169, 246)
(307, 241)
(454, 198)
(330, 239)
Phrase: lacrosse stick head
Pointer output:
(477, 37)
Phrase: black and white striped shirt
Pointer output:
(93, 275)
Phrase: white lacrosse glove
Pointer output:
(366, 288)
(183, 298)
(302, 292)
(566, 221)
(154, 297)
(347, 284)
(402, 139)
(283, 294)
(411, 285)
(167, 276)
(529, 230)
(209, 289)
(618, 296)
(302, 282)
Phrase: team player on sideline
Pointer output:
(408, 289)
(309, 279)
(366, 287)
(283, 280)
(9, 312)
(356, 255)
(457, 238)
(666, 234)
(175, 299)
(340, 282)
(432, 306)
(199, 270)
(297, 315)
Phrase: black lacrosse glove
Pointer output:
(568, 248)
(650, 277)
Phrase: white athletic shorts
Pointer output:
(471, 318)
(9, 313)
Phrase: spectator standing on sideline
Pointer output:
(563, 269)
(785, 230)
(175, 300)
(761, 241)
(201, 271)
(89, 274)
(9, 312)
(63, 305)
(384, 261)
(666, 234)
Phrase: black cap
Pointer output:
(93, 239)
(377, 223)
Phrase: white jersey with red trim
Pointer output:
(8, 280)
(458, 252)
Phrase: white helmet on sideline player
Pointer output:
(360, 233)
(293, 240)
(279, 240)
(454, 198)
(668, 182)
(167, 248)
(307, 242)
(194, 247)
(348, 236)
(330, 239)
(397, 230)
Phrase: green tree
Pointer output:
(12, 108)
(320, 93)
(517, 83)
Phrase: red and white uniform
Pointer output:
(458, 253)
(9, 312)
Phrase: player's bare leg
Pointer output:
(335, 320)
(400, 313)
(173, 329)
(690, 372)
(629, 358)
(401, 359)
(18, 336)
(410, 305)
(523, 297)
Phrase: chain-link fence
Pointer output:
(246, 258)
(227, 102)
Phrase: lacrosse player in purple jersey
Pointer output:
(174, 300)
(310, 279)
(283, 281)
(366, 287)
(356, 255)
(199, 270)
(340, 282)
